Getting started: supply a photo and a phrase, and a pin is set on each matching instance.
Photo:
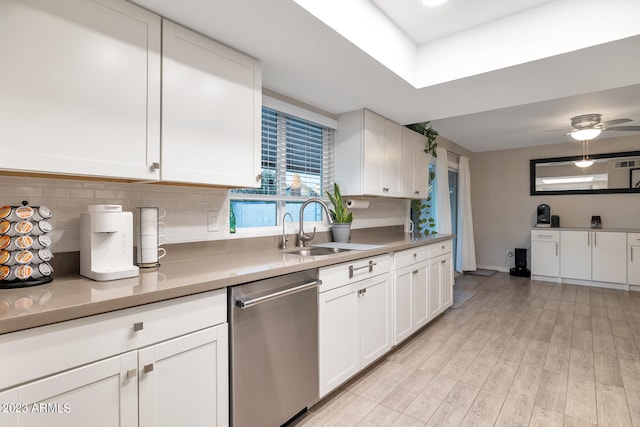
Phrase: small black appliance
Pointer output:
(596, 222)
(555, 221)
(544, 216)
(520, 269)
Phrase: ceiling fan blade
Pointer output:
(616, 122)
(625, 128)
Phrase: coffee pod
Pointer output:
(22, 257)
(42, 270)
(20, 228)
(41, 227)
(20, 213)
(19, 272)
(41, 255)
(17, 243)
(40, 213)
(41, 241)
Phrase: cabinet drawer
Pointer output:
(410, 256)
(545, 235)
(342, 274)
(37, 352)
(440, 248)
(633, 239)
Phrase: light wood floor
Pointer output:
(518, 353)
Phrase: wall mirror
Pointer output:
(610, 173)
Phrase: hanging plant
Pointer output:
(421, 214)
(430, 133)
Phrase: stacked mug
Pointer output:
(149, 239)
(25, 246)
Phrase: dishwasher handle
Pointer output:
(246, 303)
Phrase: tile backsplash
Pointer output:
(189, 209)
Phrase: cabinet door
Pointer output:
(391, 181)
(420, 295)
(420, 169)
(403, 304)
(373, 140)
(98, 394)
(184, 381)
(575, 254)
(211, 111)
(609, 257)
(375, 318)
(338, 336)
(80, 88)
(633, 265)
(446, 281)
(435, 289)
(545, 260)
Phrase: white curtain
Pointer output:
(443, 204)
(466, 248)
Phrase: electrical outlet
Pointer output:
(509, 254)
(212, 221)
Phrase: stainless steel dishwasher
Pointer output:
(273, 349)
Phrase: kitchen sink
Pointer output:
(316, 251)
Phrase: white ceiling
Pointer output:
(489, 75)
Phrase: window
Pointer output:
(297, 163)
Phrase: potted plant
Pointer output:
(341, 227)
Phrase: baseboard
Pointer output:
(493, 267)
(634, 288)
(546, 278)
(606, 285)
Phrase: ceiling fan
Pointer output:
(589, 126)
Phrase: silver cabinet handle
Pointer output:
(148, 368)
(595, 239)
(556, 249)
(132, 373)
(631, 253)
(154, 166)
(246, 303)
(369, 266)
(588, 239)
(414, 272)
(362, 291)
(138, 326)
(443, 261)
(416, 192)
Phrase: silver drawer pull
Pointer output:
(246, 303)
(138, 326)
(148, 368)
(369, 266)
(362, 291)
(414, 272)
(132, 373)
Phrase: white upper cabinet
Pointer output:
(415, 165)
(369, 155)
(211, 111)
(79, 88)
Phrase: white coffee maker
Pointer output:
(106, 243)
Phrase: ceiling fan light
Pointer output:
(431, 3)
(584, 163)
(585, 134)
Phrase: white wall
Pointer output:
(504, 212)
(187, 207)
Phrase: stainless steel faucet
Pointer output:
(304, 239)
(285, 239)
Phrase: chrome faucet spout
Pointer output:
(303, 238)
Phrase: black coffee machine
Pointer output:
(544, 216)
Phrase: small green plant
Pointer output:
(421, 214)
(430, 133)
(339, 213)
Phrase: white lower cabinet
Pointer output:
(177, 380)
(183, 381)
(593, 255)
(98, 394)
(633, 259)
(410, 292)
(545, 253)
(354, 319)
(440, 284)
